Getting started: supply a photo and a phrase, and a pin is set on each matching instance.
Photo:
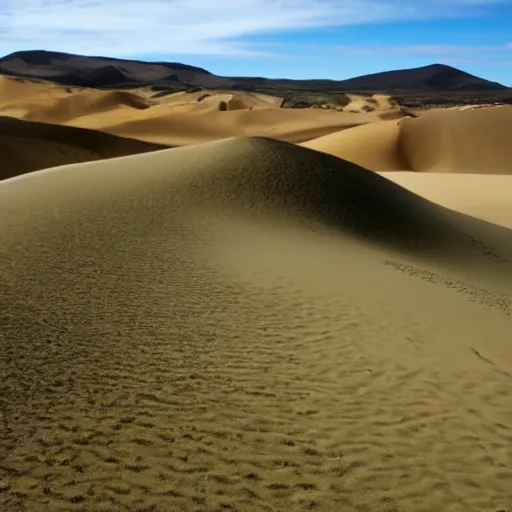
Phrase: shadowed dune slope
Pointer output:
(465, 141)
(27, 146)
(249, 325)
(373, 146)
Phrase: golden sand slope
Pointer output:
(466, 141)
(17, 90)
(27, 146)
(178, 119)
(487, 197)
(249, 325)
(201, 100)
(162, 126)
(373, 146)
(85, 102)
(57, 104)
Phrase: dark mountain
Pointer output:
(103, 72)
(436, 77)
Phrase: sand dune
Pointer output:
(250, 325)
(182, 118)
(465, 141)
(202, 100)
(484, 196)
(55, 104)
(83, 103)
(373, 146)
(371, 131)
(26, 146)
(15, 91)
(184, 128)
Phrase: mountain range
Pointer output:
(104, 72)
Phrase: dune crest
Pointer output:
(27, 146)
(252, 325)
(216, 299)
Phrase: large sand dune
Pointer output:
(476, 140)
(373, 146)
(251, 325)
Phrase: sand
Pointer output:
(371, 130)
(250, 325)
(475, 140)
(250, 308)
(28, 146)
(486, 196)
(373, 146)
(182, 118)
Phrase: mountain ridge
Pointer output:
(107, 72)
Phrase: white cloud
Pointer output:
(140, 27)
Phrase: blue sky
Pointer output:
(275, 38)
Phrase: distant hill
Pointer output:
(436, 77)
(79, 70)
(104, 72)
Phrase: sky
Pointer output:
(335, 39)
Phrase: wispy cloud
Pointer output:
(208, 27)
(423, 50)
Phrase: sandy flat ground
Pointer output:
(248, 324)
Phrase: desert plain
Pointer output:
(212, 302)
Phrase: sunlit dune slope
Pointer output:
(373, 146)
(485, 196)
(181, 118)
(465, 141)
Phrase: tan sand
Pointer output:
(19, 90)
(465, 141)
(181, 118)
(249, 325)
(373, 146)
(487, 197)
(184, 128)
(235, 100)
